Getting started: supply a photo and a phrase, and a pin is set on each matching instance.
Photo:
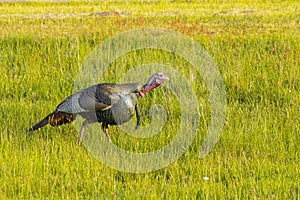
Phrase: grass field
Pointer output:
(255, 45)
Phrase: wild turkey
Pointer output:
(109, 104)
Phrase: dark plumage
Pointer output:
(109, 104)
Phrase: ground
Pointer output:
(255, 46)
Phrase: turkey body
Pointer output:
(109, 104)
(106, 103)
(121, 112)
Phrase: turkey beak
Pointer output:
(165, 78)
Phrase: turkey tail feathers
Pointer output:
(54, 119)
(40, 124)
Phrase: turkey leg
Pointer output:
(105, 130)
(83, 126)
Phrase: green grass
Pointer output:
(256, 48)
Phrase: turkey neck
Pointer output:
(147, 88)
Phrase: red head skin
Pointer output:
(154, 81)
